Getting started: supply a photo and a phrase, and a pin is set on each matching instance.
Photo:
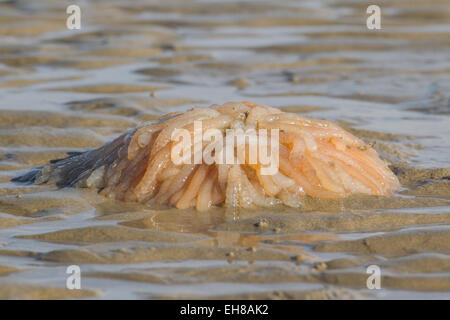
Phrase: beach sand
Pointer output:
(70, 90)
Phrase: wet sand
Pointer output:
(70, 90)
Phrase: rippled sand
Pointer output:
(65, 91)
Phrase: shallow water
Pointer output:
(67, 90)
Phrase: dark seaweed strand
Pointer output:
(69, 171)
(70, 154)
(87, 162)
(29, 177)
